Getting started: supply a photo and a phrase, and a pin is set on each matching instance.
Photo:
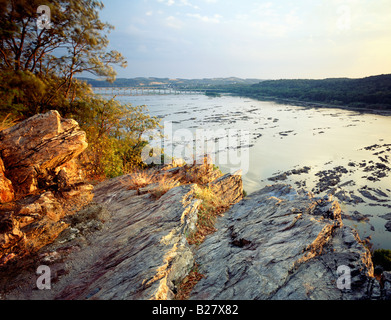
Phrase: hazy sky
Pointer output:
(251, 38)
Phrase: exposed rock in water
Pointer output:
(348, 197)
(388, 224)
(278, 244)
(131, 241)
(274, 244)
(284, 175)
(329, 178)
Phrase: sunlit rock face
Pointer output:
(280, 244)
(34, 148)
(39, 179)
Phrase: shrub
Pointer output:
(382, 258)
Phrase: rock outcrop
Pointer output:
(131, 241)
(39, 179)
(34, 148)
(281, 244)
(140, 252)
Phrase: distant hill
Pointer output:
(370, 92)
(170, 83)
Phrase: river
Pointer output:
(322, 150)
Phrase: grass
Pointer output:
(141, 178)
(7, 122)
(210, 208)
(159, 184)
(186, 286)
(164, 185)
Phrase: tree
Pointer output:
(49, 57)
(38, 63)
(115, 135)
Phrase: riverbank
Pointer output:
(313, 104)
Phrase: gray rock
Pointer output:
(281, 244)
(386, 285)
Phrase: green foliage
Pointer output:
(382, 257)
(115, 135)
(37, 74)
(371, 92)
(38, 65)
(212, 94)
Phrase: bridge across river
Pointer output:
(142, 91)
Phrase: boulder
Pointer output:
(33, 149)
(228, 187)
(41, 175)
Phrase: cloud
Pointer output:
(188, 4)
(216, 18)
(179, 3)
(167, 2)
(174, 23)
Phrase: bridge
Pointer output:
(142, 91)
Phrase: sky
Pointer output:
(251, 38)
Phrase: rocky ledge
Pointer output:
(281, 244)
(132, 240)
(39, 182)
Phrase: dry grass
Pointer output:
(164, 185)
(141, 178)
(158, 184)
(7, 122)
(188, 283)
(211, 207)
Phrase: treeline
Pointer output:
(370, 92)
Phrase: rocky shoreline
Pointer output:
(133, 242)
(313, 104)
(337, 182)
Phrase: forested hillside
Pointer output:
(370, 92)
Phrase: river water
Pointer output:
(343, 152)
